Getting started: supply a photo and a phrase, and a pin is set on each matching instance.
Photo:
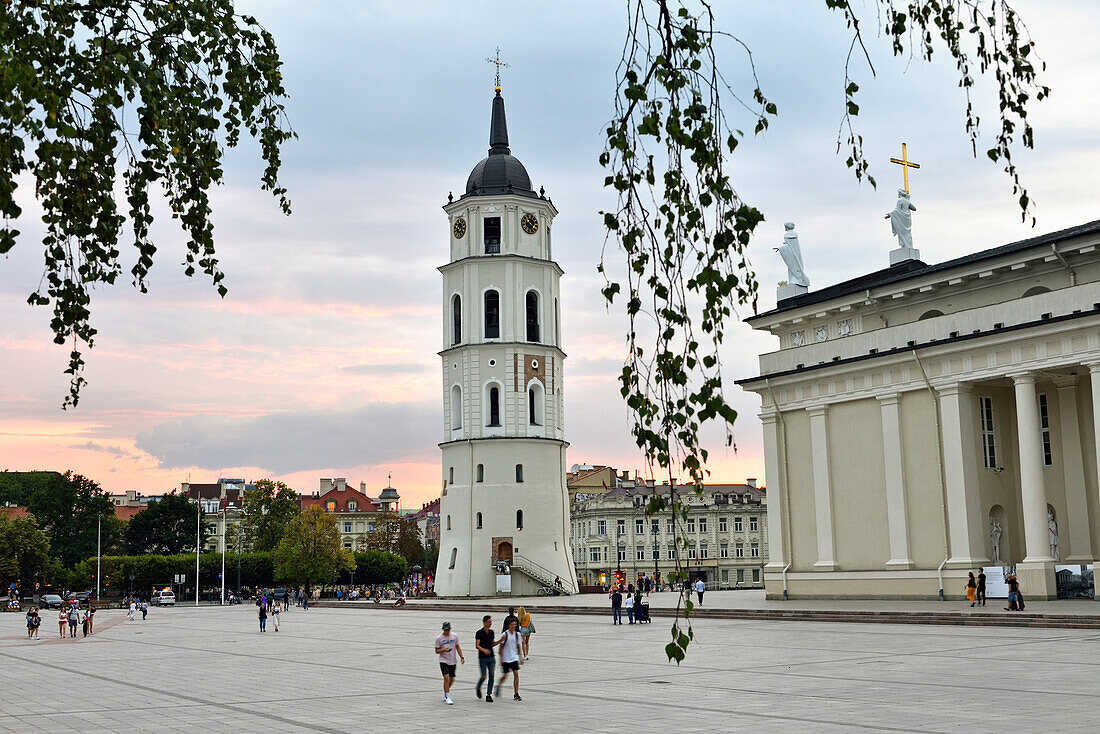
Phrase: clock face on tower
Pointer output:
(529, 223)
(460, 228)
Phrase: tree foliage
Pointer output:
(152, 90)
(394, 534)
(67, 507)
(268, 509)
(683, 227)
(166, 526)
(311, 551)
(379, 567)
(24, 552)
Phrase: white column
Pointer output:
(961, 455)
(893, 463)
(775, 484)
(1073, 470)
(1033, 493)
(823, 491)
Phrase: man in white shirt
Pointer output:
(700, 587)
(446, 647)
(509, 656)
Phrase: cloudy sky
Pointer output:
(322, 361)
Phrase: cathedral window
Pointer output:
(481, 472)
(519, 473)
(1044, 426)
(456, 319)
(479, 525)
(536, 404)
(494, 406)
(456, 407)
(492, 235)
(989, 441)
(519, 519)
(532, 316)
(492, 315)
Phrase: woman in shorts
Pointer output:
(62, 621)
(526, 629)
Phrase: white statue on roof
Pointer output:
(901, 220)
(792, 256)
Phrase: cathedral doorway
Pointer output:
(502, 550)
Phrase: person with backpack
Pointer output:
(263, 618)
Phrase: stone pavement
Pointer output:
(343, 670)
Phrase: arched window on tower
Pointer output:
(479, 525)
(532, 316)
(519, 519)
(456, 319)
(494, 406)
(536, 404)
(481, 472)
(456, 408)
(519, 473)
(492, 315)
(557, 324)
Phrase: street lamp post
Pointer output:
(98, 550)
(224, 508)
(198, 541)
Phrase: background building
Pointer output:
(726, 527)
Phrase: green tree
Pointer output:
(24, 552)
(394, 534)
(379, 567)
(310, 551)
(166, 526)
(268, 509)
(68, 507)
(150, 89)
(684, 229)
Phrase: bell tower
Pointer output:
(504, 497)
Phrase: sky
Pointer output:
(321, 361)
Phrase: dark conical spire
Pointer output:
(498, 129)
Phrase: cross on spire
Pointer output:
(497, 63)
(905, 164)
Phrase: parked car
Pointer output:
(278, 593)
(81, 596)
(163, 599)
(51, 601)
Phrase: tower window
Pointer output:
(492, 315)
(456, 319)
(557, 323)
(454, 557)
(532, 316)
(519, 519)
(451, 475)
(449, 527)
(536, 404)
(479, 525)
(519, 473)
(492, 235)
(481, 472)
(494, 406)
(456, 407)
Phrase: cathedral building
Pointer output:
(924, 421)
(504, 511)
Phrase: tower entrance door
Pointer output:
(502, 550)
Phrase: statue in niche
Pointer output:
(995, 539)
(901, 219)
(792, 256)
(1052, 532)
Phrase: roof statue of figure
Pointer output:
(792, 256)
(901, 220)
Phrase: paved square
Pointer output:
(344, 670)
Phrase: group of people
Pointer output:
(975, 591)
(134, 606)
(70, 618)
(631, 601)
(514, 642)
(269, 607)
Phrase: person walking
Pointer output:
(700, 587)
(36, 621)
(275, 616)
(262, 613)
(980, 591)
(486, 656)
(91, 619)
(62, 621)
(84, 621)
(616, 607)
(144, 610)
(286, 601)
(1013, 594)
(133, 610)
(74, 619)
(508, 619)
(972, 589)
(629, 605)
(30, 623)
(446, 647)
(526, 629)
(509, 657)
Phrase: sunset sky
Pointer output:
(321, 361)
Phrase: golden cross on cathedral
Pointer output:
(497, 63)
(905, 164)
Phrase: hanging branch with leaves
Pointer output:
(683, 228)
(151, 89)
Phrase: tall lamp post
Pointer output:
(98, 550)
(655, 526)
(224, 508)
(198, 541)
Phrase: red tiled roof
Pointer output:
(341, 497)
(13, 512)
(126, 513)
